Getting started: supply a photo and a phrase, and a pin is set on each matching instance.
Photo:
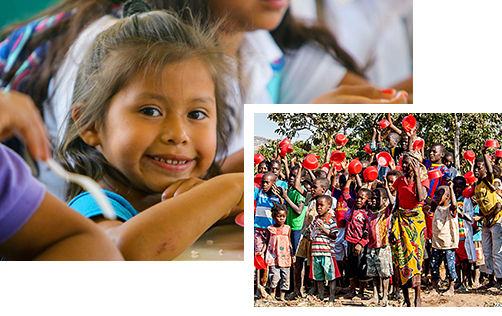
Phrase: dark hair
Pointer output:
(323, 182)
(307, 182)
(480, 159)
(383, 193)
(394, 172)
(496, 171)
(142, 42)
(269, 173)
(296, 167)
(274, 161)
(367, 191)
(441, 147)
(461, 179)
(277, 208)
(327, 198)
(448, 153)
(321, 173)
(394, 136)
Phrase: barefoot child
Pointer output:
(323, 234)
(444, 236)
(379, 255)
(146, 133)
(279, 252)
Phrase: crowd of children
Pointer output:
(389, 221)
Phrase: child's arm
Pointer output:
(392, 126)
(386, 185)
(453, 205)
(346, 192)
(165, 230)
(331, 173)
(298, 185)
(297, 209)
(57, 232)
(292, 254)
(489, 168)
(284, 161)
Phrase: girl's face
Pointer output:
(275, 168)
(280, 217)
(262, 167)
(249, 15)
(157, 132)
(376, 200)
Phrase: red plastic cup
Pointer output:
(340, 140)
(498, 153)
(259, 262)
(409, 123)
(367, 149)
(468, 192)
(284, 141)
(311, 162)
(434, 174)
(492, 143)
(469, 177)
(258, 158)
(383, 124)
(418, 144)
(370, 174)
(469, 155)
(355, 166)
(337, 156)
(257, 180)
(383, 159)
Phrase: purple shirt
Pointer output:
(20, 193)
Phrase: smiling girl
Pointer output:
(148, 119)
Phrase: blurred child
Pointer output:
(263, 167)
(147, 134)
(490, 209)
(448, 161)
(323, 233)
(444, 236)
(392, 176)
(279, 256)
(379, 256)
(356, 235)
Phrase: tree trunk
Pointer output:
(456, 141)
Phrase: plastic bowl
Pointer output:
(469, 155)
(257, 180)
(338, 166)
(383, 159)
(434, 174)
(285, 149)
(383, 124)
(259, 262)
(469, 177)
(337, 156)
(418, 144)
(325, 167)
(492, 143)
(367, 149)
(370, 174)
(284, 141)
(340, 140)
(498, 153)
(310, 162)
(355, 166)
(258, 158)
(409, 123)
(468, 192)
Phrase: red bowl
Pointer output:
(492, 143)
(434, 174)
(284, 141)
(383, 158)
(498, 153)
(338, 166)
(257, 180)
(418, 144)
(370, 174)
(285, 149)
(468, 192)
(355, 166)
(239, 219)
(383, 124)
(325, 167)
(311, 162)
(409, 123)
(340, 140)
(337, 157)
(469, 155)
(258, 158)
(341, 215)
(367, 149)
(259, 262)
(469, 177)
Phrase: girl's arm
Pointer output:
(297, 209)
(286, 166)
(420, 189)
(453, 206)
(165, 230)
(298, 185)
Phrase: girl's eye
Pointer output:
(197, 115)
(151, 112)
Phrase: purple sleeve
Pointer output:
(20, 193)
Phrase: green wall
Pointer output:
(19, 10)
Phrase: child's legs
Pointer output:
(284, 276)
(449, 256)
(496, 231)
(295, 239)
(274, 276)
(436, 258)
(298, 273)
(486, 235)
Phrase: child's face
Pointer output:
(448, 161)
(441, 196)
(479, 169)
(376, 201)
(267, 181)
(391, 142)
(435, 153)
(292, 176)
(458, 187)
(275, 168)
(390, 181)
(280, 217)
(262, 167)
(159, 131)
(362, 199)
(250, 15)
(317, 189)
(322, 206)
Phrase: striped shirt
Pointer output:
(322, 245)
(357, 222)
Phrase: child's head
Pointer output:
(392, 176)
(497, 184)
(379, 198)
(496, 171)
(263, 167)
(404, 140)
(323, 204)
(267, 181)
(392, 140)
(459, 185)
(293, 173)
(479, 167)
(279, 213)
(319, 187)
(320, 174)
(363, 198)
(448, 159)
(275, 167)
(307, 185)
(149, 105)
(436, 153)
(442, 195)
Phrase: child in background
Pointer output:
(323, 233)
(490, 209)
(448, 161)
(275, 168)
(295, 202)
(35, 225)
(444, 236)
(391, 177)
(379, 256)
(146, 134)
(279, 256)
(356, 235)
(263, 167)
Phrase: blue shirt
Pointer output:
(263, 215)
(85, 204)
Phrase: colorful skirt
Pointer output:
(408, 236)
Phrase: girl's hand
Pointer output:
(180, 186)
(416, 167)
(19, 115)
(359, 94)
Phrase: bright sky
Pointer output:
(265, 128)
